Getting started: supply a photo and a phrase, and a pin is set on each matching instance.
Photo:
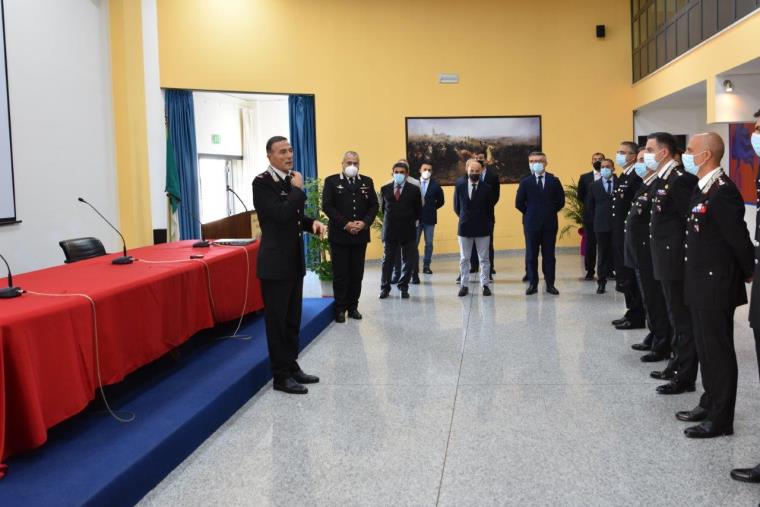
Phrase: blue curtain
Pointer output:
(303, 138)
(303, 134)
(181, 123)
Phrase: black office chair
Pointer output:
(79, 249)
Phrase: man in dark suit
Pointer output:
(600, 206)
(350, 202)
(584, 185)
(753, 474)
(490, 177)
(432, 200)
(626, 187)
(402, 206)
(540, 196)
(670, 203)
(473, 204)
(719, 258)
(638, 256)
(279, 199)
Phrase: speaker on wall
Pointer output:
(601, 31)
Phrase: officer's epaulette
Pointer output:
(264, 175)
(679, 171)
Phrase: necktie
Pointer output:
(541, 182)
(397, 193)
(609, 186)
(424, 190)
(473, 188)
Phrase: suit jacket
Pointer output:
(280, 208)
(626, 188)
(584, 187)
(491, 177)
(540, 207)
(638, 254)
(475, 214)
(343, 202)
(719, 253)
(401, 216)
(600, 204)
(432, 201)
(670, 204)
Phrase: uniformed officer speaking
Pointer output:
(350, 202)
(279, 200)
(719, 258)
(670, 203)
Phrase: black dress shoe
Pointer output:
(675, 387)
(601, 287)
(427, 271)
(289, 386)
(384, 293)
(415, 280)
(394, 280)
(630, 325)
(653, 357)
(707, 430)
(619, 321)
(532, 289)
(340, 318)
(551, 289)
(404, 294)
(696, 414)
(746, 474)
(474, 270)
(641, 347)
(303, 378)
(486, 291)
(663, 375)
(463, 291)
(354, 314)
(525, 278)
(589, 276)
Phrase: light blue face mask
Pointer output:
(537, 167)
(399, 178)
(620, 159)
(755, 139)
(650, 161)
(606, 173)
(689, 164)
(641, 169)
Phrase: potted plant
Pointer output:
(573, 211)
(317, 247)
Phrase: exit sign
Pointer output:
(216, 139)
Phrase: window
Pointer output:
(215, 174)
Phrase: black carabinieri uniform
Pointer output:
(627, 186)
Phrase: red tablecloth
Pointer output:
(144, 309)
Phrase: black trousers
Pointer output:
(714, 336)
(475, 263)
(348, 272)
(626, 280)
(542, 242)
(282, 316)
(590, 258)
(656, 310)
(605, 259)
(408, 259)
(683, 345)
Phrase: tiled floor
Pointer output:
(508, 400)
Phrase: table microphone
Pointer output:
(198, 244)
(229, 189)
(124, 259)
(10, 291)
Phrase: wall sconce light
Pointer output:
(728, 86)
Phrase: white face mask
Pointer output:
(425, 175)
(351, 171)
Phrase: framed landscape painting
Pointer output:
(447, 143)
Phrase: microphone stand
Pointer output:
(124, 259)
(10, 291)
(229, 189)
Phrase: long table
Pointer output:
(48, 363)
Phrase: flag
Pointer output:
(173, 192)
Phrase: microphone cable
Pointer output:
(127, 415)
(208, 277)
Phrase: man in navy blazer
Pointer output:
(540, 196)
(473, 203)
(432, 200)
(600, 206)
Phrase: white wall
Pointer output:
(741, 104)
(216, 113)
(155, 114)
(273, 120)
(62, 122)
